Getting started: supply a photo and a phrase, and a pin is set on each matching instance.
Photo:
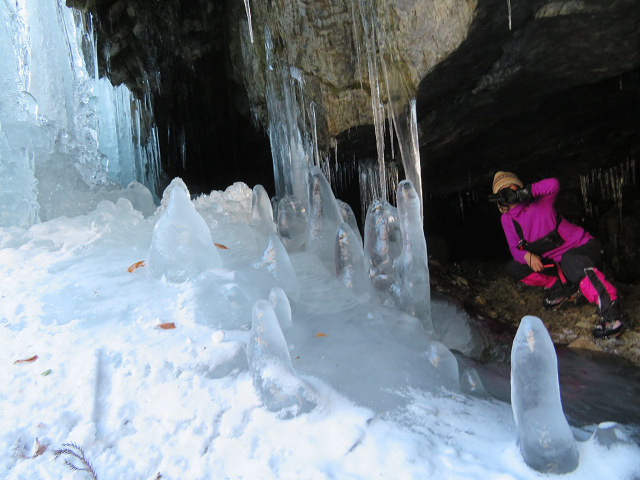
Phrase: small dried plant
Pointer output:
(75, 452)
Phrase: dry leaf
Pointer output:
(223, 247)
(40, 448)
(320, 334)
(135, 266)
(27, 360)
(166, 326)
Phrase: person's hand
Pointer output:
(534, 262)
(512, 194)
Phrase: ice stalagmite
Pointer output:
(273, 376)
(281, 307)
(349, 217)
(261, 211)
(324, 218)
(471, 383)
(444, 361)
(545, 439)
(181, 245)
(292, 223)
(412, 270)
(610, 434)
(350, 260)
(382, 244)
(276, 266)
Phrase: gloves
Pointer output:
(507, 196)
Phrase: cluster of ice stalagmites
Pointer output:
(391, 267)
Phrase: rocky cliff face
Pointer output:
(546, 88)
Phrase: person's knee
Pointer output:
(573, 266)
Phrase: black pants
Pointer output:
(572, 263)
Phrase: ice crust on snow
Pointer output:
(545, 438)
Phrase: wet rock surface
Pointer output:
(498, 304)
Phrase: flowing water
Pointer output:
(595, 387)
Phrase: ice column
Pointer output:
(18, 123)
(324, 218)
(407, 132)
(349, 217)
(370, 182)
(276, 264)
(261, 211)
(273, 376)
(350, 260)
(291, 145)
(382, 245)
(545, 439)
(281, 306)
(292, 222)
(53, 116)
(412, 288)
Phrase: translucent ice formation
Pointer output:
(545, 439)
(412, 288)
(273, 376)
(181, 245)
(261, 212)
(349, 217)
(281, 307)
(445, 363)
(276, 266)
(609, 434)
(350, 260)
(214, 299)
(471, 383)
(324, 218)
(382, 244)
(292, 223)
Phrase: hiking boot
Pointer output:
(560, 294)
(611, 322)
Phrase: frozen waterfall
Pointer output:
(262, 330)
(64, 133)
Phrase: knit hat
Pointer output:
(504, 179)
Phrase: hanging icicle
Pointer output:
(247, 8)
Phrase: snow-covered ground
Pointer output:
(146, 402)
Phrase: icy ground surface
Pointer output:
(179, 403)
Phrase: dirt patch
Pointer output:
(487, 294)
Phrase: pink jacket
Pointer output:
(537, 219)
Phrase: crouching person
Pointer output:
(550, 252)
